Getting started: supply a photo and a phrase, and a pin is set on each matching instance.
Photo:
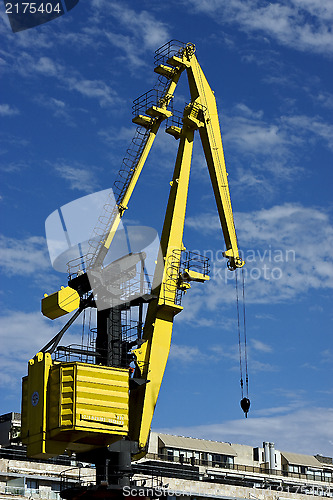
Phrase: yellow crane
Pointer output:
(81, 407)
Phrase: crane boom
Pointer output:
(158, 113)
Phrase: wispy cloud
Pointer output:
(212, 355)
(303, 25)
(185, 354)
(58, 108)
(29, 66)
(7, 110)
(306, 430)
(307, 126)
(24, 257)
(22, 335)
(325, 99)
(270, 147)
(95, 89)
(79, 176)
(143, 32)
(258, 345)
(282, 261)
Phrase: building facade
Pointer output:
(175, 466)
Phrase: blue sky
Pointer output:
(65, 107)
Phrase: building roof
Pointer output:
(193, 444)
(297, 459)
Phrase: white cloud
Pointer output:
(325, 99)
(280, 246)
(22, 335)
(79, 176)
(307, 430)
(304, 25)
(184, 353)
(58, 108)
(271, 147)
(143, 24)
(48, 67)
(24, 257)
(212, 355)
(143, 32)
(307, 126)
(113, 136)
(93, 89)
(7, 110)
(28, 65)
(254, 135)
(261, 346)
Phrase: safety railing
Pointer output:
(195, 262)
(178, 262)
(31, 493)
(172, 48)
(154, 97)
(309, 475)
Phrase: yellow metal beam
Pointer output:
(89, 420)
(159, 320)
(211, 139)
(123, 204)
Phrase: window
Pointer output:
(216, 459)
(256, 454)
(327, 476)
(31, 484)
(228, 460)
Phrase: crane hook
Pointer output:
(245, 405)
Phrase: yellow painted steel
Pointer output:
(200, 114)
(211, 139)
(72, 406)
(159, 320)
(34, 405)
(59, 303)
(84, 406)
(161, 115)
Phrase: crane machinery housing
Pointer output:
(102, 409)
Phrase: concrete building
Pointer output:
(21, 477)
(216, 469)
(178, 466)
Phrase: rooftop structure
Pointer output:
(179, 466)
